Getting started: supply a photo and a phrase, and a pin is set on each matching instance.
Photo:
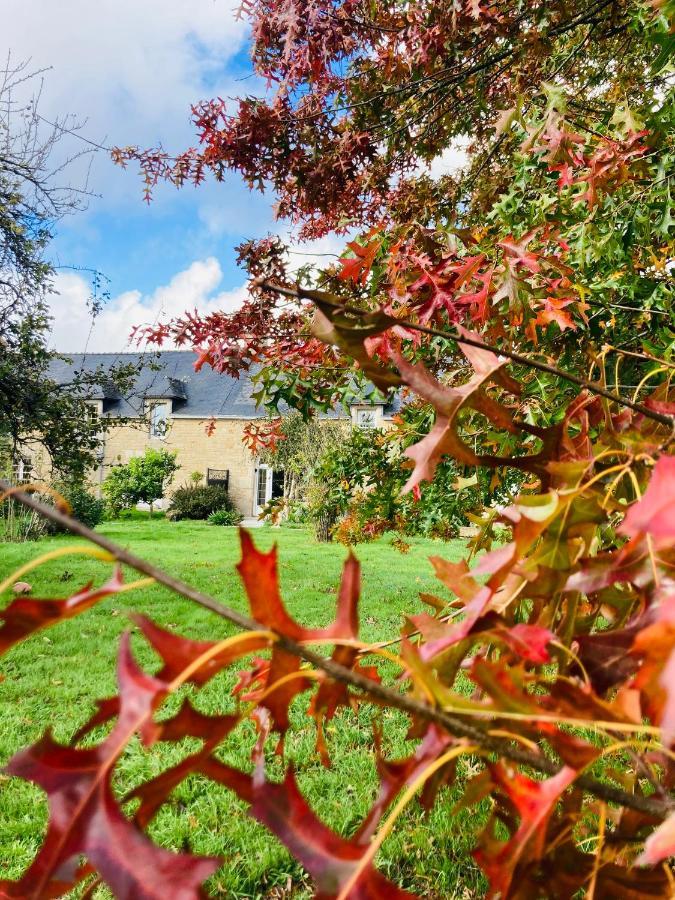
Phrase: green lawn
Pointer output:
(54, 678)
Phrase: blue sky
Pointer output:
(129, 70)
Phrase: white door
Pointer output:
(263, 488)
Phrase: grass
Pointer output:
(53, 679)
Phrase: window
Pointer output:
(93, 409)
(365, 418)
(159, 420)
(21, 470)
(261, 494)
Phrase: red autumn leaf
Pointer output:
(528, 641)
(659, 845)
(605, 656)
(572, 750)
(330, 859)
(443, 438)
(478, 300)
(554, 311)
(457, 631)
(154, 793)
(265, 435)
(357, 267)
(394, 776)
(190, 722)
(439, 285)
(85, 819)
(283, 665)
(26, 615)
(517, 252)
(654, 649)
(629, 564)
(177, 653)
(333, 694)
(654, 514)
(534, 802)
(260, 575)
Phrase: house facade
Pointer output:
(170, 406)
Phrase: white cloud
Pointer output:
(194, 288)
(452, 160)
(320, 253)
(74, 330)
(131, 68)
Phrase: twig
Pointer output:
(453, 725)
(592, 387)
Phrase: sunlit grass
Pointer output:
(53, 679)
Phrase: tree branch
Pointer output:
(333, 301)
(452, 724)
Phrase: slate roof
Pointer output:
(168, 374)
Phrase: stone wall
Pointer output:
(197, 452)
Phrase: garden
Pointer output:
(55, 678)
(349, 702)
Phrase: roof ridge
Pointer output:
(118, 353)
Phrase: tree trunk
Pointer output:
(323, 526)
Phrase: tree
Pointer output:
(144, 479)
(295, 445)
(35, 411)
(525, 305)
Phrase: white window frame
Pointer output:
(21, 469)
(366, 418)
(159, 426)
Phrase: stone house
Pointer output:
(170, 406)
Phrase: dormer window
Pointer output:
(159, 419)
(94, 409)
(367, 417)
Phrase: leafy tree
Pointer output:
(295, 445)
(35, 411)
(357, 487)
(525, 306)
(144, 479)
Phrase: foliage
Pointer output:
(358, 484)
(84, 505)
(144, 479)
(224, 517)
(526, 306)
(79, 668)
(299, 446)
(18, 525)
(199, 502)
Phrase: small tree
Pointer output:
(144, 479)
(300, 445)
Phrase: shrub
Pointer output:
(225, 517)
(198, 502)
(84, 504)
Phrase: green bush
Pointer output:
(144, 479)
(85, 506)
(198, 502)
(225, 517)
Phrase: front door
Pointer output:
(263, 488)
(269, 485)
